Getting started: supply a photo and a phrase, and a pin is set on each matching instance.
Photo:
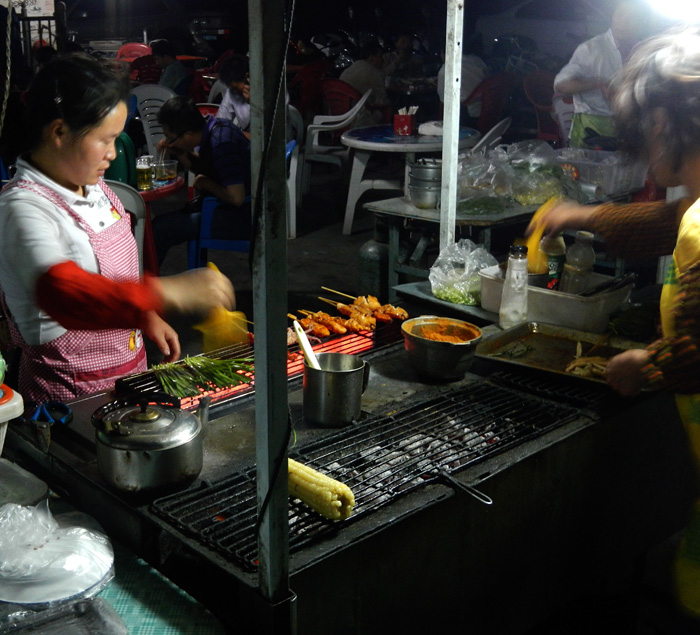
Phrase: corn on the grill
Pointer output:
(330, 498)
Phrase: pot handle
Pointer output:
(365, 377)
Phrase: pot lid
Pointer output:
(145, 422)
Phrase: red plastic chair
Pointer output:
(494, 92)
(539, 90)
(305, 88)
(131, 50)
(144, 70)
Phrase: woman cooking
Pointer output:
(69, 272)
(657, 107)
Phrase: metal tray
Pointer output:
(550, 348)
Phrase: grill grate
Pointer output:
(380, 459)
(353, 344)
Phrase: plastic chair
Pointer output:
(296, 125)
(217, 92)
(132, 50)
(492, 138)
(314, 151)
(197, 249)
(150, 98)
(133, 203)
(340, 97)
(208, 109)
(539, 90)
(145, 70)
(305, 88)
(493, 92)
(123, 166)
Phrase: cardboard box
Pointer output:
(554, 307)
(404, 125)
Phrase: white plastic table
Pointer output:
(363, 141)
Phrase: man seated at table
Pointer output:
(235, 104)
(174, 74)
(367, 73)
(218, 152)
(402, 62)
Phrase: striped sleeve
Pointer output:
(674, 363)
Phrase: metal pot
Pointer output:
(427, 170)
(425, 197)
(146, 444)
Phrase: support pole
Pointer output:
(269, 268)
(450, 139)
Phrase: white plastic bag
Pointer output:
(454, 277)
(43, 561)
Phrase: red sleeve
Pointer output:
(77, 299)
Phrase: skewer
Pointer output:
(327, 301)
(353, 297)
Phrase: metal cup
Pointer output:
(332, 396)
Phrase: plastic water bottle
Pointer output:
(580, 258)
(554, 248)
(513, 309)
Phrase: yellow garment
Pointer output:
(686, 253)
(222, 327)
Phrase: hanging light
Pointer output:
(684, 11)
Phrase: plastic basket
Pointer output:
(613, 172)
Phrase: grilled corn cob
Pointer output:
(332, 499)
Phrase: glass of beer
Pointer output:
(144, 172)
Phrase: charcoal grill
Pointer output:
(352, 344)
(414, 540)
(380, 460)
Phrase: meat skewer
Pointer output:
(333, 324)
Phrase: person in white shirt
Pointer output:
(367, 73)
(592, 67)
(235, 105)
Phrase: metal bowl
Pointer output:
(440, 348)
(425, 197)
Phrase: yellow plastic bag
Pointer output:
(222, 327)
(536, 260)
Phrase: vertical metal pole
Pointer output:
(450, 140)
(269, 262)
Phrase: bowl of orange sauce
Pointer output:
(440, 348)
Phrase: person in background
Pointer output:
(235, 104)
(588, 74)
(218, 152)
(657, 115)
(69, 271)
(474, 71)
(367, 73)
(402, 62)
(174, 74)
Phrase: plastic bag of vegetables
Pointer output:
(454, 277)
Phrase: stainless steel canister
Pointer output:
(332, 396)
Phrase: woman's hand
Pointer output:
(164, 336)
(624, 372)
(197, 290)
(564, 215)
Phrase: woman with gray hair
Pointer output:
(657, 113)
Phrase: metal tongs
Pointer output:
(451, 480)
(609, 285)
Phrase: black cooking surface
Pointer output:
(380, 459)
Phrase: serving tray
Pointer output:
(550, 348)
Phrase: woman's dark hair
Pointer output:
(76, 88)
(661, 77)
(181, 115)
(234, 69)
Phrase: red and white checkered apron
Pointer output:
(81, 362)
